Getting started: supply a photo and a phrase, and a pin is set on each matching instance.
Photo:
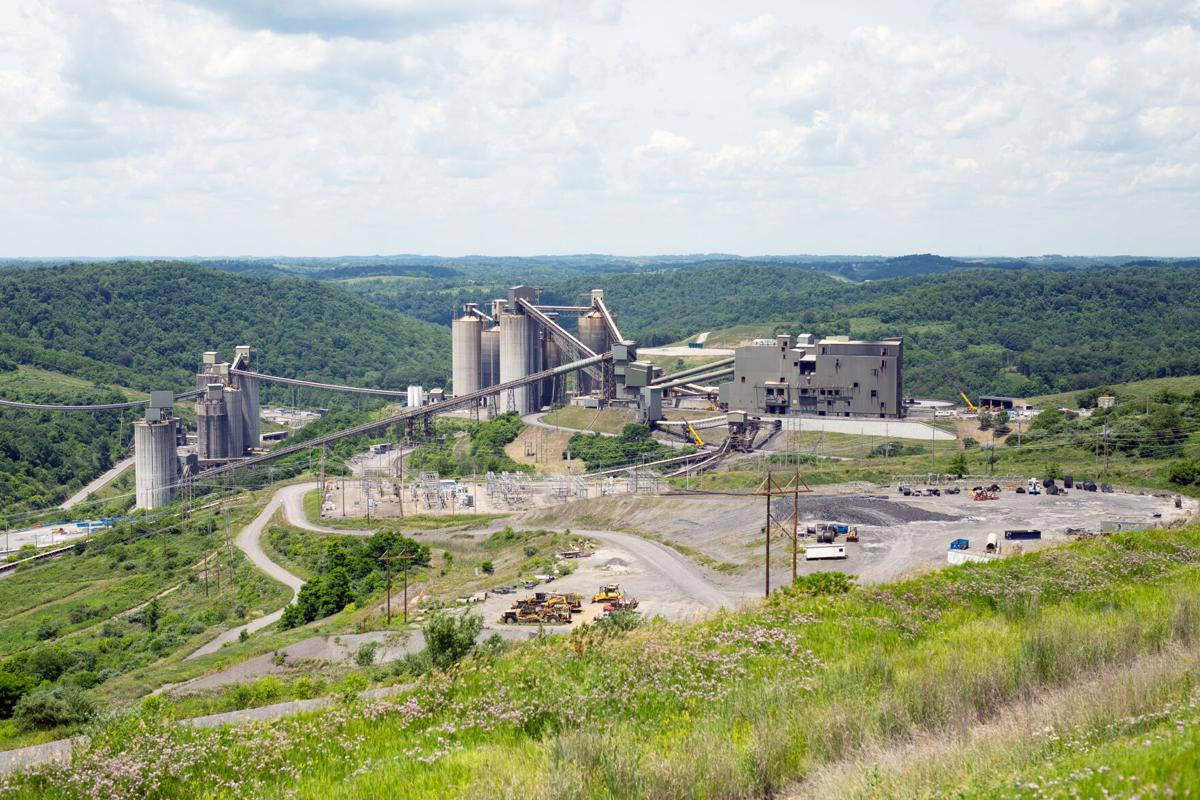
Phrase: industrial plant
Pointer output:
(787, 375)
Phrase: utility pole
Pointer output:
(769, 489)
(1106, 448)
(207, 544)
(388, 558)
(229, 545)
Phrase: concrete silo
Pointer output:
(594, 335)
(156, 466)
(489, 356)
(466, 369)
(212, 424)
(251, 430)
(515, 352)
(233, 413)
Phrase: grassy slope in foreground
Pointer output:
(745, 703)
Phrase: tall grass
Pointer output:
(746, 703)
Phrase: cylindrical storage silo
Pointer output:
(251, 430)
(594, 335)
(156, 467)
(212, 425)
(489, 356)
(514, 362)
(233, 411)
(465, 354)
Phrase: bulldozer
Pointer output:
(608, 592)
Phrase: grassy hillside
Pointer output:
(821, 692)
(146, 324)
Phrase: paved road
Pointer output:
(248, 542)
(97, 484)
(293, 510)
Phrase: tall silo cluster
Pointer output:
(519, 338)
(227, 413)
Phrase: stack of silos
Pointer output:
(515, 350)
(594, 335)
(465, 345)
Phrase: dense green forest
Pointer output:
(146, 324)
(46, 455)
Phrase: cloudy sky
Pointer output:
(324, 127)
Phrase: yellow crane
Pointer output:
(970, 405)
(695, 436)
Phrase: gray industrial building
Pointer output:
(833, 377)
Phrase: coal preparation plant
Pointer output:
(833, 377)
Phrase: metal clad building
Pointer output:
(834, 377)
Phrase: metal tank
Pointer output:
(156, 466)
(465, 354)
(515, 350)
(594, 335)
(212, 424)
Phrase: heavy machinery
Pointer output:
(970, 405)
(981, 494)
(539, 610)
(695, 436)
(852, 535)
(626, 604)
(608, 593)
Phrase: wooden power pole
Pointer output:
(771, 488)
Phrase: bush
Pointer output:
(12, 688)
(448, 638)
(1184, 473)
(365, 656)
(970, 442)
(46, 629)
(488, 568)
(51, 708)
(621, 620)
(819, 584)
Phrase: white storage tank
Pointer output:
(465, 366)
(515, 351)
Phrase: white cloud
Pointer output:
(212, 126)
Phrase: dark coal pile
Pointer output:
(858, 510)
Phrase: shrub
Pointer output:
(51, 708)
(1184, 473)
(46, 629)
(621, 620)
(12, 688)
(449, 638)
(488, 568)
(823, 583)
(365, 656)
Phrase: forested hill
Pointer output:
(1019, 332)
(145, 325)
